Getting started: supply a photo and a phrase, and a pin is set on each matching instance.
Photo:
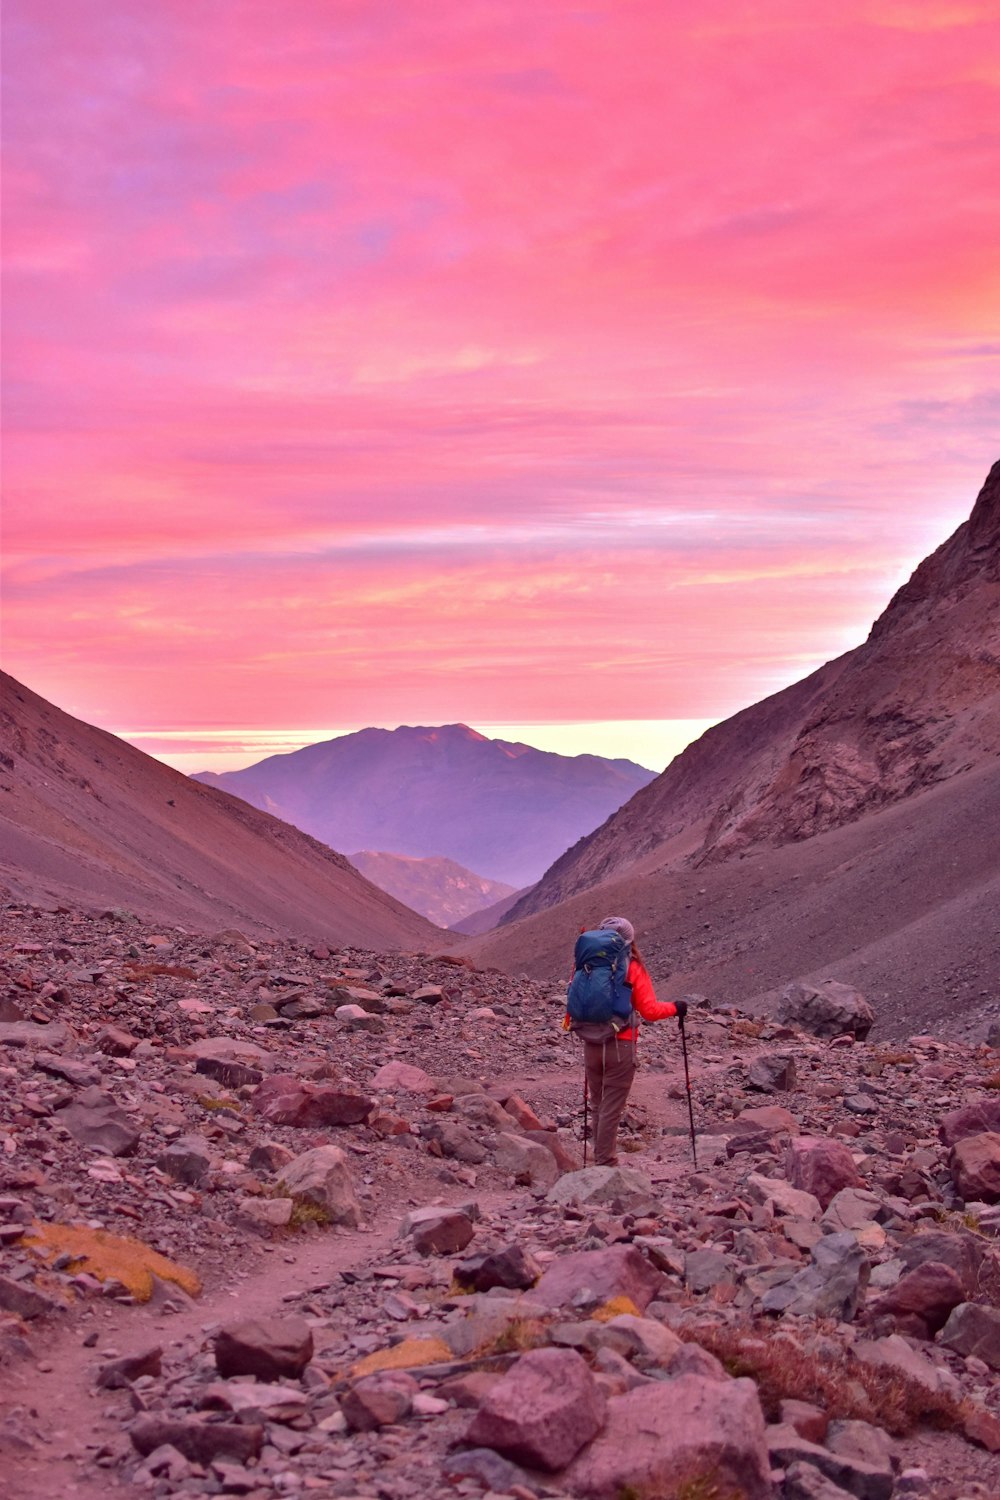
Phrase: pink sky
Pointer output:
(519, 363)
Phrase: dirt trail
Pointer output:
(53, 1401)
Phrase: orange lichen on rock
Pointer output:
(111, 1257)
(616, 1308)
(407, 1355)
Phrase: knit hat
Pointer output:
(621, 925)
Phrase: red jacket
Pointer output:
(644, 1000)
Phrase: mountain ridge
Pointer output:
(915, 703)
(89, 820)
(498, 807)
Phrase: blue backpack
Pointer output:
(599, 1000)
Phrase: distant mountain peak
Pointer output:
(424, 790)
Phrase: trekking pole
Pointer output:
(584, 1119)
(687, 1083)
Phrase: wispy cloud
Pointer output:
(357, 352)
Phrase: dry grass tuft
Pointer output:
(520, 1335)
(137, 971)
(845, 1387)
(615, 1308)
(111, 1257)
(410, 1354)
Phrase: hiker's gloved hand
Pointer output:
(681, 1007)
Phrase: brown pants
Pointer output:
(610, 1070)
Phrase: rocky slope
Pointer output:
(502, 809)
(86, 819)
(439, 889)
(349, 1181)
(917, 704)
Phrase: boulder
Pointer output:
(963, 1251)
(200, 1442)
(186, 1160)
(707, 1434)
(831, 1287)
(511, 1266)
(765, 1119)
(378, 1400)
(772, 1073)
(20, 1298)
(268, 1348)
(542, 1412)
(456, 1141)
(93, 1119)
(620, 1187)
(284, 1099)
(975, 1167)
(232, 1075)
(974, 1329)
(897, 1354)
(525, 1161)
(859, 1477)
(977, 1118)
(321, 1177)
(828, 1009)
(28, 1034)
(922, 1300)
(118, 1374)
(438, 1231)
(393, 1076)
(590, 1278)
(820, 1166)
(787, 1200)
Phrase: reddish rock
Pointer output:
(438, 1231)
(771, 1119)
(829, 1009)
(95, 1120)
(117, 1374)
(821, 1167)
(589, 1278)
(401, 1075)
(322, 1178)
(286, 1100)
(975, 1167)
(977, 1118)
(522, 1112)
(542, 1412)
(708, 1433)
(114, 1042)
(567, 1160)
(974, 1329)
(511, 1266)
(810, 1422)
(201, 1442)
(928, 1294)
(269, 1348)
(378, 1400)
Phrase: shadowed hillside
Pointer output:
(86, 819)
(918, 703)
(848, 826)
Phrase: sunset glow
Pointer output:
(505, 364)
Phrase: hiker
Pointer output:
(611, 1063)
